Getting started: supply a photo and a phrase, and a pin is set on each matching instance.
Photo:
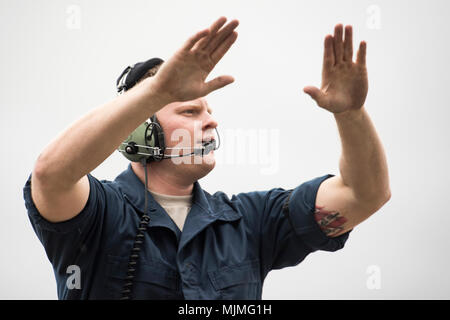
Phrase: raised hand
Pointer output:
(344, 83)
(182, 77)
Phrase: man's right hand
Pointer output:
(182, 77)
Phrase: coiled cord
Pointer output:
(138, 241)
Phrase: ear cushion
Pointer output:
(159, 132)
(131, 146)
(147, 134)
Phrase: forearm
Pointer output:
(363, 164)
(86, 143)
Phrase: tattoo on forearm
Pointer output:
(331, 222)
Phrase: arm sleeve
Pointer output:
(75, 241)
(284, 220)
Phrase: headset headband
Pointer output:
(132, 74)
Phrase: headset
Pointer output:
(147, 141)
(146, 144)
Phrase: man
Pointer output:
(195, 245)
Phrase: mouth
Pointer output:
(207, 140)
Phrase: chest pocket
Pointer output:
(153, 280)
(240, 281)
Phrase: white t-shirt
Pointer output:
(177, 207)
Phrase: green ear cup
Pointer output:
(138, 147)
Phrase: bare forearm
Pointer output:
(86, 143)
(363, 164)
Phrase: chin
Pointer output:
(192, 168)
(199, 170)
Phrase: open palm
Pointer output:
(344, 83)
(183, 76)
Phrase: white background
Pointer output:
(54, 71)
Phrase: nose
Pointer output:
(209, 123)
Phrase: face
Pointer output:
(186, 125)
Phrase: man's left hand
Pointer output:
(344, 83)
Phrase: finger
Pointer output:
(315, 93)
(223, 47)
(348, 44)
(221, 36)
(328, 53)
(217, 83)
(361, 55)
(193, 39)
(212, 31)
(338, 45)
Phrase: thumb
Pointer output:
(217, 83)
(314, 93)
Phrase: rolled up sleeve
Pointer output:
(301, 215)
(92, 207)
(285, 225)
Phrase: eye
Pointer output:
(189, 111)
